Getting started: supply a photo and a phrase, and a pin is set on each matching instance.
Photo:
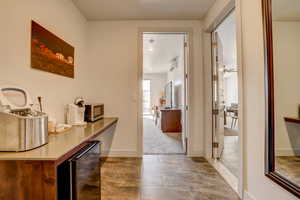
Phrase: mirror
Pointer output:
(282, 45)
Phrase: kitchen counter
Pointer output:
(63, 144)
(34, 174)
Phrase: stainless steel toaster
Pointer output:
(21, 128)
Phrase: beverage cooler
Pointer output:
(79, 176)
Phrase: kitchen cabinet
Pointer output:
(34, 174)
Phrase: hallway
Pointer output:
(161, 177)
(157, 142)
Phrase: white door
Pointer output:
(146, 97)
(218, 96)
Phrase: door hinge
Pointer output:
(215, 78)
(215, 111)
(185, 44)
(186, 76)
(215, 44)
(186, 107)
(215, 144)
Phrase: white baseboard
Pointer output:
(195, 154)
(137, 154)
(287, 152)
(247, 196)
(120, 154)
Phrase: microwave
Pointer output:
(93, 112)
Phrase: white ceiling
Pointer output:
(286, 10)
(143, 9)
(159, 53)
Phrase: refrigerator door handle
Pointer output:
(90, 146)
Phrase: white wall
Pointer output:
(157, 86)
(177, 77)
(257, 184)
(287, 98)
(63, 19)
(113, 50)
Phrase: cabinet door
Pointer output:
(85, 169)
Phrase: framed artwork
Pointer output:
(50, 53)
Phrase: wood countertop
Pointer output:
(64, 144)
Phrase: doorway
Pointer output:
(225, 95)
(165, 96)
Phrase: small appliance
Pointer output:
(21, 127)
(93, 112)
(75, 112)
(79, 177)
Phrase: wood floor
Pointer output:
(162, 177)
(289, 167)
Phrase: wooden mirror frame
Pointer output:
(270, 113)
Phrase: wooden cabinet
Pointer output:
(171, 120)
(22, 180)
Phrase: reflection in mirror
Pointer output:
(286, 58)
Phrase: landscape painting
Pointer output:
(50, 53)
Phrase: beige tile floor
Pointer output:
(162, 177)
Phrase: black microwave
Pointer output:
(93, 112)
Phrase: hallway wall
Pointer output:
(256, 185)
(113, 57)
(158, 83)
(63, 19)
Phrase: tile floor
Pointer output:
(162, 177)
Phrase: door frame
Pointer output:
(215, 72)
(143, 92)
(236, 5)
(189, 32)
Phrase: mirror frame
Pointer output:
(270, 113)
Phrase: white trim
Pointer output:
(226, 174)
(196, 154)
(241, 76)
(247, 196)
(120, 153)
(189, 32)
(217, 18)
